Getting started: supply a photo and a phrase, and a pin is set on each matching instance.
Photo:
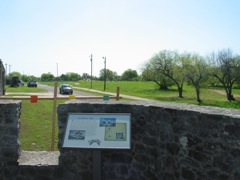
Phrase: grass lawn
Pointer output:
(23, 89)
(150, 90)
(36, 125)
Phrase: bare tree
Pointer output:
(226, 70)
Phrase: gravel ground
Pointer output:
(39, 158)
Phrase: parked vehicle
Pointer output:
(32, 84)
(15, 81)
(65, 89)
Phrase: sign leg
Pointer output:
(97, 164)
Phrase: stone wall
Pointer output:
(2, 78)
(169, 141)
(9, 131)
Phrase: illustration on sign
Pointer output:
(116, 133)
(77, 134)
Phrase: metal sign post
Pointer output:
(97, 164)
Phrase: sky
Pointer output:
(59, 36)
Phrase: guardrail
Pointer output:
(58, 98)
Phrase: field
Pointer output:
(36, 118)
(149, 90)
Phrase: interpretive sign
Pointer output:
(98, 131)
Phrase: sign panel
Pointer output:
(98, 131)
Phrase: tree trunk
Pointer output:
(180, 92)
(230, 97)
(198, 94)
(163, 87)
(228, 90)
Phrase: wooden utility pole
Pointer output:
(105, 73)
(91, 70)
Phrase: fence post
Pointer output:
(54, 115)
(118, 92)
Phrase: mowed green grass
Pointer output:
(36, 125)
(23, 89)
(36, 121)
(150, 90)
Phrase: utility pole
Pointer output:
(6, 70)
(105, 73)
(91, 70)
(57, 69)
(9, 69)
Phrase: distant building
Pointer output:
(2, 79)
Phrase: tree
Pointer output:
(161, 80)
(226, 70)
(47, 77)
(25, 78)
(32, 78)
(86, 76)
(63, 77)
(110, 75)
(14, 73)
(197, 72)
(129, 75)
(10, 75)
(71, 76)
(116, 77)
(170, 64)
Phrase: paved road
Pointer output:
(50, 89)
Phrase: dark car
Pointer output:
(65, 89)
(32, 84)
(15, 81)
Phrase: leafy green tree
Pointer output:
(196, 72)
(32, 78)
(63, 77)
(129, 75)
(47, 77)
(226, 70)
(71, 76)
(10, 75)
(14, 73)
(149, 74)
(171, 64)
(110, 75)
(86, 76)
(116, 77)
(57, 78)
(25, 78)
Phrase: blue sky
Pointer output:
(58, 36)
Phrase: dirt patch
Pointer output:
(39, 158)
(224, 93)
